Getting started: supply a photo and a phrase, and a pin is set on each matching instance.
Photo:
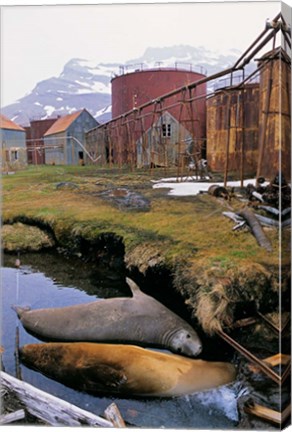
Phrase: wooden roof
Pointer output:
(6, 123)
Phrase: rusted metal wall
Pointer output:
(34, 140)
(232, 129)
(275, 115)
(134, 89)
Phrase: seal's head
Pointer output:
(186, 342)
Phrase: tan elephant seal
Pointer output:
(139, 320)
(125, 369)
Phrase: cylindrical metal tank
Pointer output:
(169, 119)
(232, 129)
(134, 89)
(275, 114)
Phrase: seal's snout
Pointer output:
(193, 350)
(199, 349)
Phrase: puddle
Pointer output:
(48, 280)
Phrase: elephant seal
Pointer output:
(139, 320)
(124, 369)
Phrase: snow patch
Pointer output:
(49, 109)
(190, 187)
(105, 110)
(96, 87)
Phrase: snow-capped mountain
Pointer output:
(87, 84)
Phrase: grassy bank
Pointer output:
(188, 235)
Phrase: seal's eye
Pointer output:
(179, 350)
(188, 336)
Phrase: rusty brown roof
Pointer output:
(6, 123)
(62, 123)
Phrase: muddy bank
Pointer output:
(212, 293)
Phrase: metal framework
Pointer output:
(121, 134)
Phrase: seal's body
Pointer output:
(125, 369)
(140, 320)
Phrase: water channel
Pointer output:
(51, 280)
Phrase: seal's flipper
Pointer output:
(133, 287)
(109, 377)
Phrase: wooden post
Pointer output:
(227, 141)
(181, 162)
(112, 413)
(16, 354)
(242, 146)
(144, 149)
(265, 119)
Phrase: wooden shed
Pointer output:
(164, 143)
(65, 140)
(13, 146)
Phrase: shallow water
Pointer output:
(48, 280)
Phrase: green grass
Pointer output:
(188, 234)
(181, 226)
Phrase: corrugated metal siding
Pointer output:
(55, 149)
(14, 153)
(154, 148)
(228, 109)
(12, 138)
(34, 139)
(78, 129)
(69, 152)
(278, 127)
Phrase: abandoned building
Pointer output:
(65, 139)
(34, 140)
(243, 121)
(12, 143)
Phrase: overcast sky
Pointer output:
(37, 41)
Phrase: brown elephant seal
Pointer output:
(124, 369)
(138, 320)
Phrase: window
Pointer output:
(14, 155)
(166, 129)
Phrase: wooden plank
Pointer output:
(112, 413)
(274, 360)
(277, 359)
(268, 413)
(12, 417)
(48, 408)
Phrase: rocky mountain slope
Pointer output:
(87, 84)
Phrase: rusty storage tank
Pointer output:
(232, 129)
(133, 89)
(275, 114)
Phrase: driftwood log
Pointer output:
(256, 228)
(12, 417)
(50, 409)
